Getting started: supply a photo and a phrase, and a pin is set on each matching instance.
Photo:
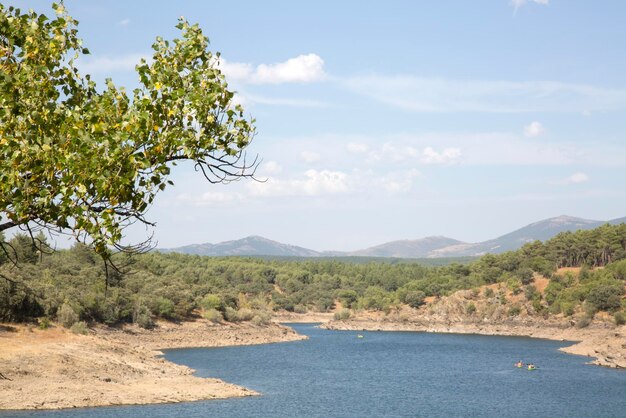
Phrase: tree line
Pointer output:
(71, 283)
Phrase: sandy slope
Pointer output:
(56, 369)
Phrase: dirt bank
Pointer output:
(52, 369)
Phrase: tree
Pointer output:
(88, 161)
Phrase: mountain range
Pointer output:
(428, 247)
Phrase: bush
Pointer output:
(262, 318)
(210, 301)
(143, 317)
(243, 314)
(489, 292)
(415, 298)
(342, 315)
(525, 275)
(531, 292)
(605, 297)
(347, 297)
(471, 308)
(620, 319)
(213, 315)
(44, 323)
(584, 322)
(537, 306)
(567, 308)
(163, 307)
(301, 309)
(67, 316)
(514, 311)
(80, 328)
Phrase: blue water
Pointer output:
(392, 374)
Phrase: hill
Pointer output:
(249, 246)
(428, 247)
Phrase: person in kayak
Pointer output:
(519, 364)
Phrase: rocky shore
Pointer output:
(53, 368)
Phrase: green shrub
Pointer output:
(241, 315)
(211, 301)
(489, 292)
(471, 308)
(415, 298)
(514, 311)
(44, 323)
(245, 314)
(347, 297)
(342, 315)
(143, 317)
(537, 306)
(67, 316)
(163, 307)
(301, 309)
(230, 314)
(80, 328)
(213, 315)
(262, 318)
(531, 292)
(525, 275)
(605, 297)
(619, 317)
(584, 321)
(567, 308)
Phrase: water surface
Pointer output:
(395, 374)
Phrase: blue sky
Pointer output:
(393, 120)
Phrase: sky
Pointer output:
(379, 121)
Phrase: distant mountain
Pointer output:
(418, 248)
(618, 221)
(542, 231)
(429, 247)
(253, 246)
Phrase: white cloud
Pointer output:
(424, 95)
(310, 156)
(106, 64)
(208, 198)
(447, 156)
(124, 22)
(357, 147)
(399, 182)
(271, 168)
(277, 101)
(397, 151)
(307, 68)
(534, 129)
(314, 183)
(577, 178)
(519, 3)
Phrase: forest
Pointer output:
(71, 287)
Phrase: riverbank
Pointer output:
(54, 368)
(603, 342)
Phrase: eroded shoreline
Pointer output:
(55, 369)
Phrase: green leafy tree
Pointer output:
(89, 161)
